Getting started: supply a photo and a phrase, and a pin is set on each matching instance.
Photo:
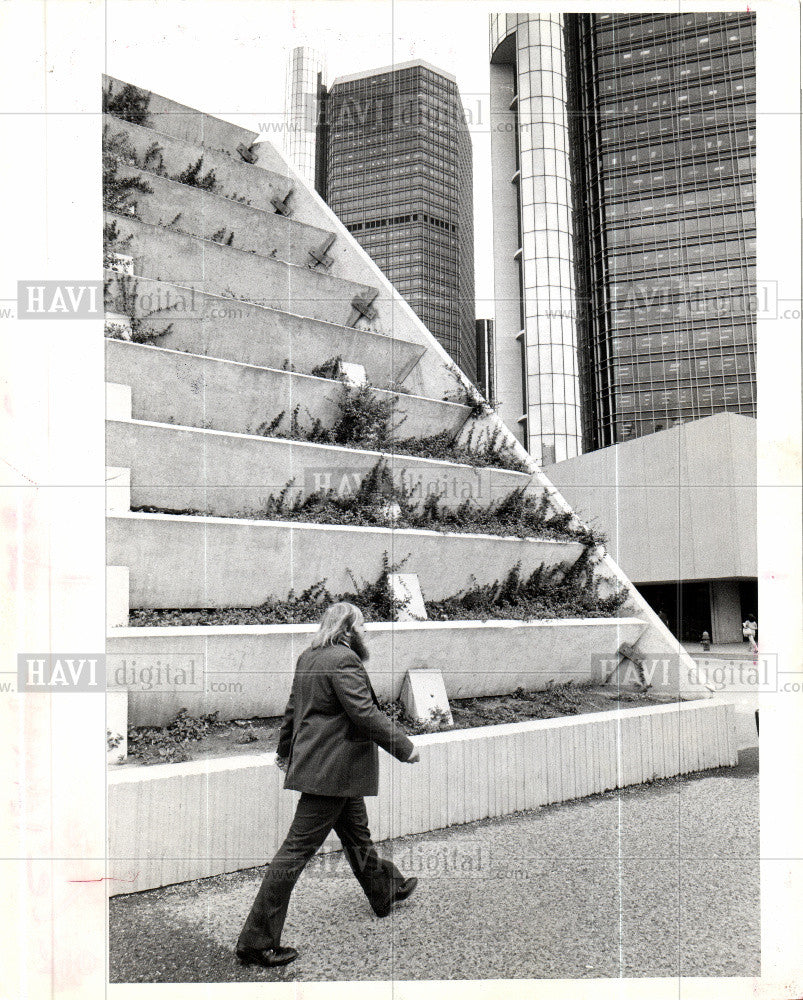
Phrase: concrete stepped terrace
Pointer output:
(213, 368)
(170, 469)
(198, 391)
(184, 319)
(209, 266)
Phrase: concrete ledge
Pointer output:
(194, 390)
(221, 327)
(179, 561)
(225, 474)
(245, 671)
(212, 267)
(175, 822)
(204, 213)
(186, 124)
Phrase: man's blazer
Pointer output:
(332, 726)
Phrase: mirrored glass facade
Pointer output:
(663, 140)
(399, 176)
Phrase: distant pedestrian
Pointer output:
(705, 641)
(328, 747)
(750, 631)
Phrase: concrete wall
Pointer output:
(188, 469)
(198, 391)
(245, 671)
(222, 327)
(211, 816)
(159, 252)
(187, 124)
(679, 504)
(195, 562)
(203, 213)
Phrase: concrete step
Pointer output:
(245, 671)
(186, 124)
(178, 561)
(234, 178)
(224, 474)
(222, 327)
(202, 213)
(197, 391)
(162, 253)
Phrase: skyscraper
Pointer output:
(536, 336)
(399, 175)
(661, 157)
(304, 118)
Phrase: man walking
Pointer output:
(328, 747)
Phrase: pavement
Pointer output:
(656, 880)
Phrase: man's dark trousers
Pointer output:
(316, 816)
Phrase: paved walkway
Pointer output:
(658, 880)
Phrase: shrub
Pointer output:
(130, 104)
(119, 192)
(191, 176)
(152, 745)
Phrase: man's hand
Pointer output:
(281, 763)
(414, 757)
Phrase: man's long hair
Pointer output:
(336, 625)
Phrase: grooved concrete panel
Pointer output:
(246, 671)
(197, 391)
(196, 562)
(223, 474)
(222, 327)
(212, 816)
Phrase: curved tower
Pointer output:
(304, 97)
(535, 325)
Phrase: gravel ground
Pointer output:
(658, 880)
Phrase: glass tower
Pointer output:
(663, 156)
(661, 167)
(399, 176)
(304, 113)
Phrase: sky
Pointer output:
(229, 57)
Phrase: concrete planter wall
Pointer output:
(175, 822)
(170, 468)
(204, 213)
(196, 391)
(245, 671)
(233, 175)
(196, 562)
(205, 264)
(186, 124)
(222, 327)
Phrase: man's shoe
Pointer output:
(269, 957)
(404, 890)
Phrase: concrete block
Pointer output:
(118, 490)
(118, 401)
(406, 587)
(423, 692)
(353, 373)
(117, 590)
(116, 726)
